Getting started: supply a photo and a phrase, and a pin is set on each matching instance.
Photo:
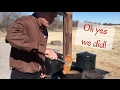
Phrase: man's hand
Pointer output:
(49, 53)
(43, 73)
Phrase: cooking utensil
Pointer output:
(62, 61)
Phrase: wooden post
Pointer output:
(67, 34)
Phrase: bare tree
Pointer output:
(7, 18)
(75, 23)
(57, 24)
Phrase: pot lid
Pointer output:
(86, 54)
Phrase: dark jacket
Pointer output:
(27, 38)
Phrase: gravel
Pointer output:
(4, 60)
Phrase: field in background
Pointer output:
(105, 60)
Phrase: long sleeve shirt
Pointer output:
(28, 39)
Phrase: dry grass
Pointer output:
(2, 35)
(105, 60)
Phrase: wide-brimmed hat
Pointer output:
(62, 13)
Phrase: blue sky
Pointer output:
(99, 17)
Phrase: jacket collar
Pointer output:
(39, 23)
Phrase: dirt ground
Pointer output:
(105, 60)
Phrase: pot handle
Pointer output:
(92, 59)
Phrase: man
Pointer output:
(28, 38)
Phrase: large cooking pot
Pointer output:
(74, 73)
(86, 60)
(53, 66)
